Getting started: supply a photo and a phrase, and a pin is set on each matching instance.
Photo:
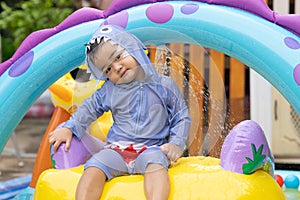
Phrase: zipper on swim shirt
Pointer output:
(140, 107)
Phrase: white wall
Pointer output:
(261, 105)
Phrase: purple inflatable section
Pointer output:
(290, 22)
(79, 152)
(257, 7)
(246, 150)
(78, 17)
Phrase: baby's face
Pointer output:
(117, 65)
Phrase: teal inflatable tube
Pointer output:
(269, 49)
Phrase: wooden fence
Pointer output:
(215, 88)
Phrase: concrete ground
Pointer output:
(29, 134)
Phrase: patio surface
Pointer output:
(29, 134)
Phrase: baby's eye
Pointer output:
(107, 70)
(118, 57)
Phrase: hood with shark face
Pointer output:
(125, 40)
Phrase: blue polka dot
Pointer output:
(189, 8)
(21, 65)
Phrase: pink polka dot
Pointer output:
(160, 13)
(297, 74)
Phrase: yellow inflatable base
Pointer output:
(191, 178)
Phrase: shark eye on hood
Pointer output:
(106, 30)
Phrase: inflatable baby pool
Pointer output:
(245, 170)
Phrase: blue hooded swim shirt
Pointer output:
(150, 112)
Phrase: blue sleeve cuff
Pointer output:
(77, 131)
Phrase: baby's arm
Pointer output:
(179, 120)
(59, 136)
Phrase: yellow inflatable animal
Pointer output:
(68, 93)
(231, 177)
(192, 178)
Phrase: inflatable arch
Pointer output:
(251, 36)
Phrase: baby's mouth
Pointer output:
(124, 72)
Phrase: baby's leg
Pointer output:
(91, 184)
(156, 182)
(102, 166)
(153, 163)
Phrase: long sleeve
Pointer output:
(179, 117)
(87, 112)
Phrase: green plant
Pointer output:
(18, 21)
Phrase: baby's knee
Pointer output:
(154, 167)
(150, 159)
(94, 173)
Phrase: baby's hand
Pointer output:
(60, 135)
(171, 150)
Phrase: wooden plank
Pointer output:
(237, 92)
(196, 82)
(217, 109)
(151, 53)
(177, 67)
(237, 79)
(217, 63)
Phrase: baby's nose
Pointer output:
(116, 66)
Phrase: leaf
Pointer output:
(257, 162)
